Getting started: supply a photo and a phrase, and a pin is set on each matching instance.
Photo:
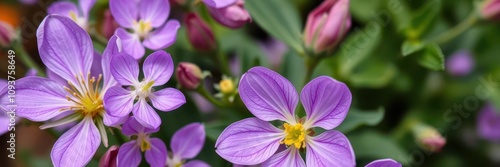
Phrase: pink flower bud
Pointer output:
(109, 25)
(189, 75)
(199, 33)
(429, 138)
(327, 25)
(109, 158)
(232, 16)
(7, 34)
(491, 9)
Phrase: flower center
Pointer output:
(174, 161)
(78, 20)
(226, 86)
(142, 28)
(295, 135)
(143, 142)
(86, 96)
(144, 89)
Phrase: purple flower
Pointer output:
(129, 153)
(488, 123)
(219, 3)
(384, 163)
(79, 14)
(66, 49)
(4, 118)
(269, 96)
(157, 68)
(186, 143)
(146, 19)
(460, 63)
(232, 16)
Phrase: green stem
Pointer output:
(118, 135)
(102, 40)
(459, 29)
(222, 61)
(203, 92)
(311, 63)
(25, 57)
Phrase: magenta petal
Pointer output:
(125, 69)
(118, 101)
(158, 67)
(196, 163)
(249, 142)
(384, 163)
(330, 148)
(163, 37)
(219, 3)
(289, 158)
(268, 95)
(157, 155)
(83, 137)
(38, 99)
(125, 12)
(188, 141)
(86, 6)
(146, 115)
(114, 46)
(63, 8)
(133, 127)
(154, 11)
(167, 99)
(326, 102)
(129, 154)
(65, 48)
(131, 43)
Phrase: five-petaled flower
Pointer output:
(146, 20)
(157, 68)
(269, 96)
(75, 87)
(79, 14)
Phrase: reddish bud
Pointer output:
(199, 33)
(189, 75)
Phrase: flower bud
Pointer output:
(327, 25)
(109, 25)
(199, 33)
(460, 64)
(7, 34)
(232, 16)
(189, 75)
(490, 9)
(109, 158)
(429, 138)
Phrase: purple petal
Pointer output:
(114, 46)
(4, 123)
(163, 37)
(157, 155)
(86, 6)
(158, 67)
(38, 99)
(3, 83)
(167, 99)
(113, 121)
(125, 12)
(219, 3)
(118, 101)
(129, 154)
(289, 158)
(54, 77)
(31, 72)
(248, 142)
(131, 43)
(384, 163)
(326, 102)
(65, 48)
(331, 148)
(196, 163)
(154, 11)
(146, 115)
(96, 68)
(132, 127)
(83, 137)
(125, 69)
(268, 95)
(63, 8)
(488, 123)
(188, 141)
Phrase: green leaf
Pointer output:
(356, 118)
(373, 145)
(375, 74)
(423, 18)
(294, 69)
(279, 18)
(411, 46)
(432, 58)
(357, 47)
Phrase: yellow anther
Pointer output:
(295, 135)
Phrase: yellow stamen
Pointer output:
(85, 95)
(295, 135)
(143, 28)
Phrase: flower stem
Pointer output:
(311, 63)
(118, 135)
(459, 29)
(203, 92)
(25, 57)
(222, 61)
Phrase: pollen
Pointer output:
(143, 89)
(86, 95)
(143, 142)
(142, 28)
(226, 86)
(295, 135)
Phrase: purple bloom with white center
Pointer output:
(129, 153)
(269, 96)
(157, 68)
(66, 49)
(384, 163)
(147, 22)
(79, 14)
(186, 143)
(488, 123)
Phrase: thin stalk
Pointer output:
(459, 29)
(203, 92)
(311, 63)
